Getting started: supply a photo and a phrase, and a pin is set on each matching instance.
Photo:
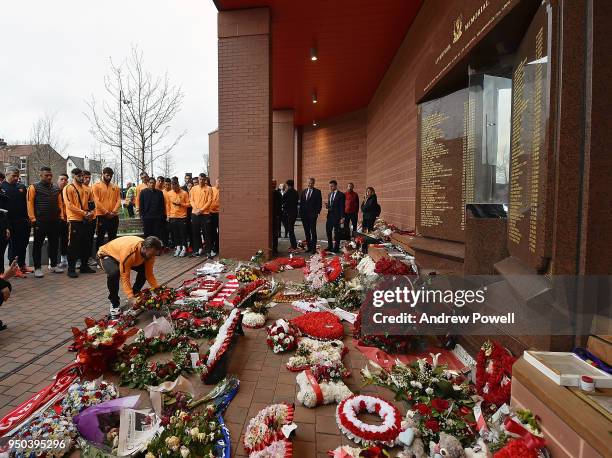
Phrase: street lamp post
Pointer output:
(152, 132)
(122, 102)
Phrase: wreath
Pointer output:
(267, 427)
(360, 432)
(393, 266)
(494, 373)
(247, 292)
(155, 298)
(136, 372)
(320, 325)
(282, 336)
(277, 449)
(322, 384)
(199, 325)
(207, 362)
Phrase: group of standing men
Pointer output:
(342, 208)
(185, 218)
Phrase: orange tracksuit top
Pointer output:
(32, 198)
(126, 251)
(182, 199)
(214, 203)
(106, 197)
(76, 199)
(200, 198)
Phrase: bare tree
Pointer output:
(47, 146)
(167, 166)
(148, 105)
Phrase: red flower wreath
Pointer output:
(494, 373)
(516, 448)
(320, 325)
(392, 266)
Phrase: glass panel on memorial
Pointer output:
(488, 143)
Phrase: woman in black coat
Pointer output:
(370, 209)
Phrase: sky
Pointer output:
(55, 54)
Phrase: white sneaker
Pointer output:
(64, 262)
(177, 252)
(57, 270)
(213, 254)
(92, 262)
(183, 253)
(38, 273)
(78, 264)
(115, 311)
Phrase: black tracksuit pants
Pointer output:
(18, 243)
(78, 243)
(104, 227)
(178, 227)
(152, 226)
(200, 225)
(50, 231)
(111, 267)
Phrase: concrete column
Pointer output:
(245, 139)
(282, 145)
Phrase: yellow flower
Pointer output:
(173, 443)
(194, 431)
(149, 455)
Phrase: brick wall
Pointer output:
(213, 156)
(282, 145)
(392, 123)
(244, 131)
(336, 149)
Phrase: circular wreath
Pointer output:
(199, 324)
(267, 427)
(136, 372)
(320, 325)
(282, 336)
(253, 320)
(361, 432)
(494, 373)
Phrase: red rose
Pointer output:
(464, 411)
(85, 398)
(432, 425)
(422, 409)
(439, 404)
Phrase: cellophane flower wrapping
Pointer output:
(88, 421)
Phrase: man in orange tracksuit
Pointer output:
(200, 198)
(214, 220)
(144, 182)
(122, 255)
(107, 198)
(177, 204)
(76, 199)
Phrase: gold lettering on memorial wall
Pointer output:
(469, 148)
(518, 163)
(536, 140)
(434, 201)
(458, 30)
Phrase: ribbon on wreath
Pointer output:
(530, 440)
(315, 386)
(480, 420)
(21, 413)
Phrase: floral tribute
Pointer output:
(361, 432)
(344, 451)
(98, 345)
(207, 286)
(311, 352)
(136, 371)
(393, 344)
(319, 271)
(494, 374)
(282, 336)
(393, 266)
(81, 395)
(244, 294)
(155, 298)
(255, 316)
(320, 325)
(50, 426)
(267, 427)
(322, 384)
(189, 434)
(201, 324)
(277, 449)
(246, 274)
(281, 264)
(207, 362)
(421, 382)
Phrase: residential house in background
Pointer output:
(30, 158)
(84, 163)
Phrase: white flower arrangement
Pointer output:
(253, 319)
(311, 352)
(332, 392)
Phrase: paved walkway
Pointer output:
(39, 316)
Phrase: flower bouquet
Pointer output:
(246, 274)
(322, 384)
(155, 298)
(421, 381)
(393, 266)
(282, 336)
(53, 429)
(311, 352)
(393, 344)
(281, 264)
(205, 325)
(267, 427)
(98, 345)
(136, 371)
(319, 325)
(255, 316)
(83, 394)
(189, 434)
(277, 449)
(345, 451)
(494, 374)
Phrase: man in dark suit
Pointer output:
(310, 207)
(335, 216)
(277, 202)
(290, 210)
